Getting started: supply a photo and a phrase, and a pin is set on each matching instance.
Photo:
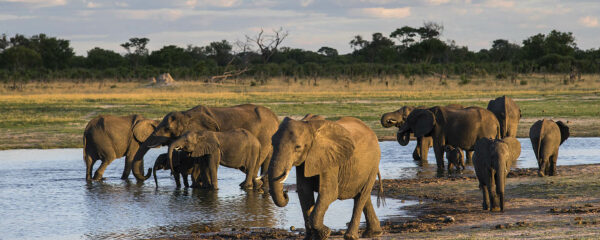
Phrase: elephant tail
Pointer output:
(380, 193)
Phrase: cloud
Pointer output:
(500, 4)
(305, 3)
(39, 3)
(92, 5)
(7, 17)
(385, 12)
(589, 21)
(221, 3)
(437, 2)
(153, 14)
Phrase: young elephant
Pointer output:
(236, 148)
(182, 166)
(492, 160)
(108, 137)
(455, 157)
(546, 136)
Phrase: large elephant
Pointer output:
(508, 114)
(339, 160)
(108, 137)
(258, 120)
(546, 136)
(451, 126)
(397, 119)
(182, 166)
(492, 161)
(236, 148)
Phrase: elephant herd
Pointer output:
(337, 159)
(488, 137)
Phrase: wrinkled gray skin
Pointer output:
(492, 161)
(546, 136)
(508, 114)
(108, 137)
(338, 159)
(182, 167)
(258, 120)
(451, 126)
(398, 118)
(455, 158)
(236, 148)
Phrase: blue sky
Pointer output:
(311, 23)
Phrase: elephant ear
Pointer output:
(564, 131)
(205, 117)
(206, 143)
(422, 122)
(331, 147)
(143, 128)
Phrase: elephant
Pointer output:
(236, 148)
(258, 120)
(546, 136)
(492, 161)
(311, 116)
(451, 126)
(455, 157)
(338, 159)
(108, 137)
(182, 167)
(508, 114)
(398, 118)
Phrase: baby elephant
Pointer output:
(182, 166)
(455, 157)
(236, 148)
(546, 136)
(492, 161)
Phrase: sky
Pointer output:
(311, 23)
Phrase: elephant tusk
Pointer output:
(259, 178)
(285, 177)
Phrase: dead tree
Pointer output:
(268, 43)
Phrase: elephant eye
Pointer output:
(298, 147)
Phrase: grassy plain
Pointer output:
(53, 115)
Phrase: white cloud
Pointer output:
(92, 5)
(589, 21)
(7, 17)
(500, 4)
(191, 3)
(438, 2)
(153, 14)
(121, 4)
(305, 3)
(385, 12)
(39, 3)
(221, 3)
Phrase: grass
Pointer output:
(49, 115)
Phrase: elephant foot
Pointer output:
(257, 183)
(350, 236)
(374, 232)
(540, 174)
(320, 234)
(495, 209)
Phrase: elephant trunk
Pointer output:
(500, 181)
(403, 136)
(138, 163)
(277, 174)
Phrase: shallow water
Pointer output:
(43, 194)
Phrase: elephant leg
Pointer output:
(359, 205)
(469, 156)
(328, 192)
(177, 181)
(439, 157)
(553, 159)
(102, 168)
(128, 164)
(89, 164)
(492, 192)
(542, 166)
(373, 225)
(306, 197)
(426, 142)
(185, 179)
(213, 166)
(416, 155)
(486, 197)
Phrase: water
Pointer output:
(43, 194)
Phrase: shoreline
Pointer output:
(562, 206)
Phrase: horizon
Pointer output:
(311, 24)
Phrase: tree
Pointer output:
(140, 52)
(268, 43)
(502, 50)
(55, 53)
(406, 35)
(21, 58)
(169, 57)
(328, 51)
(358, 43)
(101, 59)
(220, 52)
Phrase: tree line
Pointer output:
(407, 51)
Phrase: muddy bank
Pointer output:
(563, 206)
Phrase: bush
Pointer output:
(523, 82)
